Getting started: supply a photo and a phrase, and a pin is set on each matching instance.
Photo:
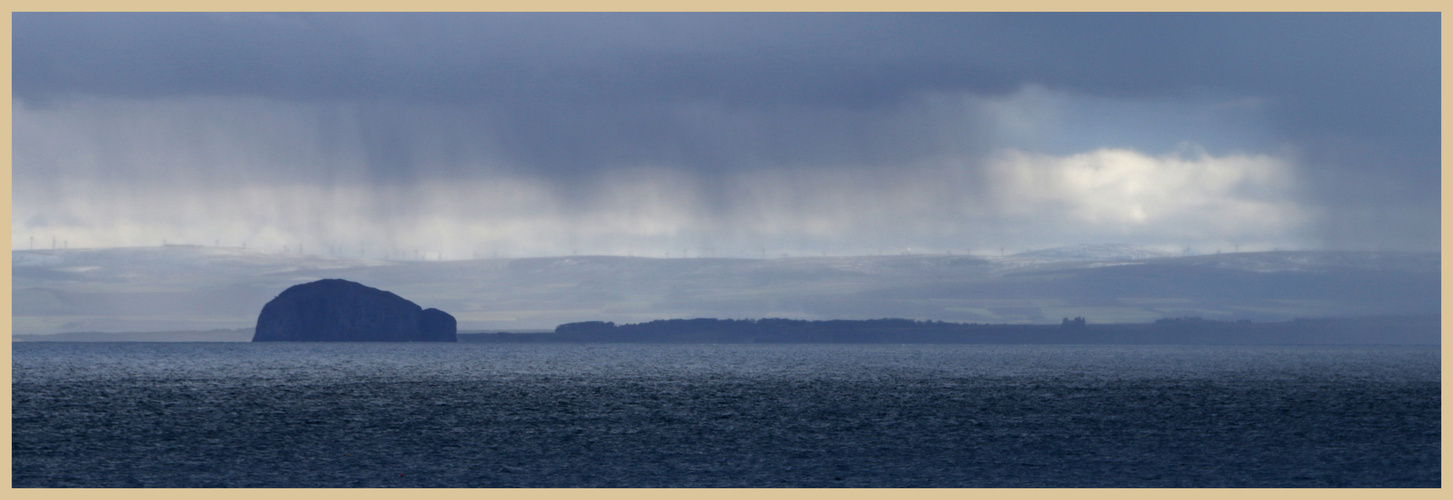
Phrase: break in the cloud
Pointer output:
(726, 134)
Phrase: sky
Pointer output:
(455, 136)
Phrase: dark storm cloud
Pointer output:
(574, 98)
(1358, 74)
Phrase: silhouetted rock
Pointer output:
(438, 326)
(344, 311)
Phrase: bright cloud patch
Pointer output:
(1128, 191)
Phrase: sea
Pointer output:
(346, 415)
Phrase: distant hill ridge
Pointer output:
(205, 288)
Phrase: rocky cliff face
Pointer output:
(344, 311)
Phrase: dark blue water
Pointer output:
(483, 415)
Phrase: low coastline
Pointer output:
(1391, 330)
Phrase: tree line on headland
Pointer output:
(1370, 330)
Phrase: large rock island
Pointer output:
(343, 311)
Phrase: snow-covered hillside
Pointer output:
(1096, 252)
(184, 263)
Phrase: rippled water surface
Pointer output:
(491, 415)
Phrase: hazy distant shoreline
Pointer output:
(201, 289)
(1391, 330)
(1384, 330)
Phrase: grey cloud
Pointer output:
(1359, 75)
(399, 99)
(755, 59)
